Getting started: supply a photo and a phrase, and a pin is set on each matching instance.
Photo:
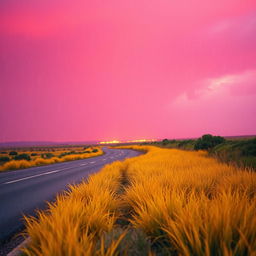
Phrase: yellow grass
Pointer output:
(204, 207)
(37, 161)
(76, 220)
(186, 203)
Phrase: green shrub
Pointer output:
(95, 150)
(165, 142)
(186, 144)
(34, 154)
(4, 159)
(47, 155)
(208, 141)
(22, 157)
(249, 148)
(241, 152)
(3, 152)
(13, 153)
(69, 153)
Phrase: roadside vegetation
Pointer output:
(238, 151)
(164, 202)
(242, 152)
(24, 158)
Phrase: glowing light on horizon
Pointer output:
(110, 142)
(141, 140)
(128, 141)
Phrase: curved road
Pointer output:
(23, 191)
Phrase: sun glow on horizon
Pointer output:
(110, 142)
(126, 141)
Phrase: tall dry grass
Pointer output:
(185, 202)
(38, 161)
(75, 222)
(201, 206)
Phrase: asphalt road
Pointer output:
(23, 191)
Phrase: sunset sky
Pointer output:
(126, 69)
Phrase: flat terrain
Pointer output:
(23, 191)
(164, 202)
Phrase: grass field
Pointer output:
(240, 151)
(165, 202)
(26, 157)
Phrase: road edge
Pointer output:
(17, 250)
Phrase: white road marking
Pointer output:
(33, 176)
(50, 172)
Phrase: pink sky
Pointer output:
(117, 69)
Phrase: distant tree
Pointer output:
(208, 141)
(33, 154)
(22, 157)
(13, 153)
(165, 141)
(95, 150)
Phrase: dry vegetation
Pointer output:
(165, 202)
(44, 156)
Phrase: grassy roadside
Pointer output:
(82, 221)
(165, 202)
(40, 160)
(241, 152)
(237, 151)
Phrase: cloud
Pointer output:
(221, 105)
(238, 28)
(237, 85)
